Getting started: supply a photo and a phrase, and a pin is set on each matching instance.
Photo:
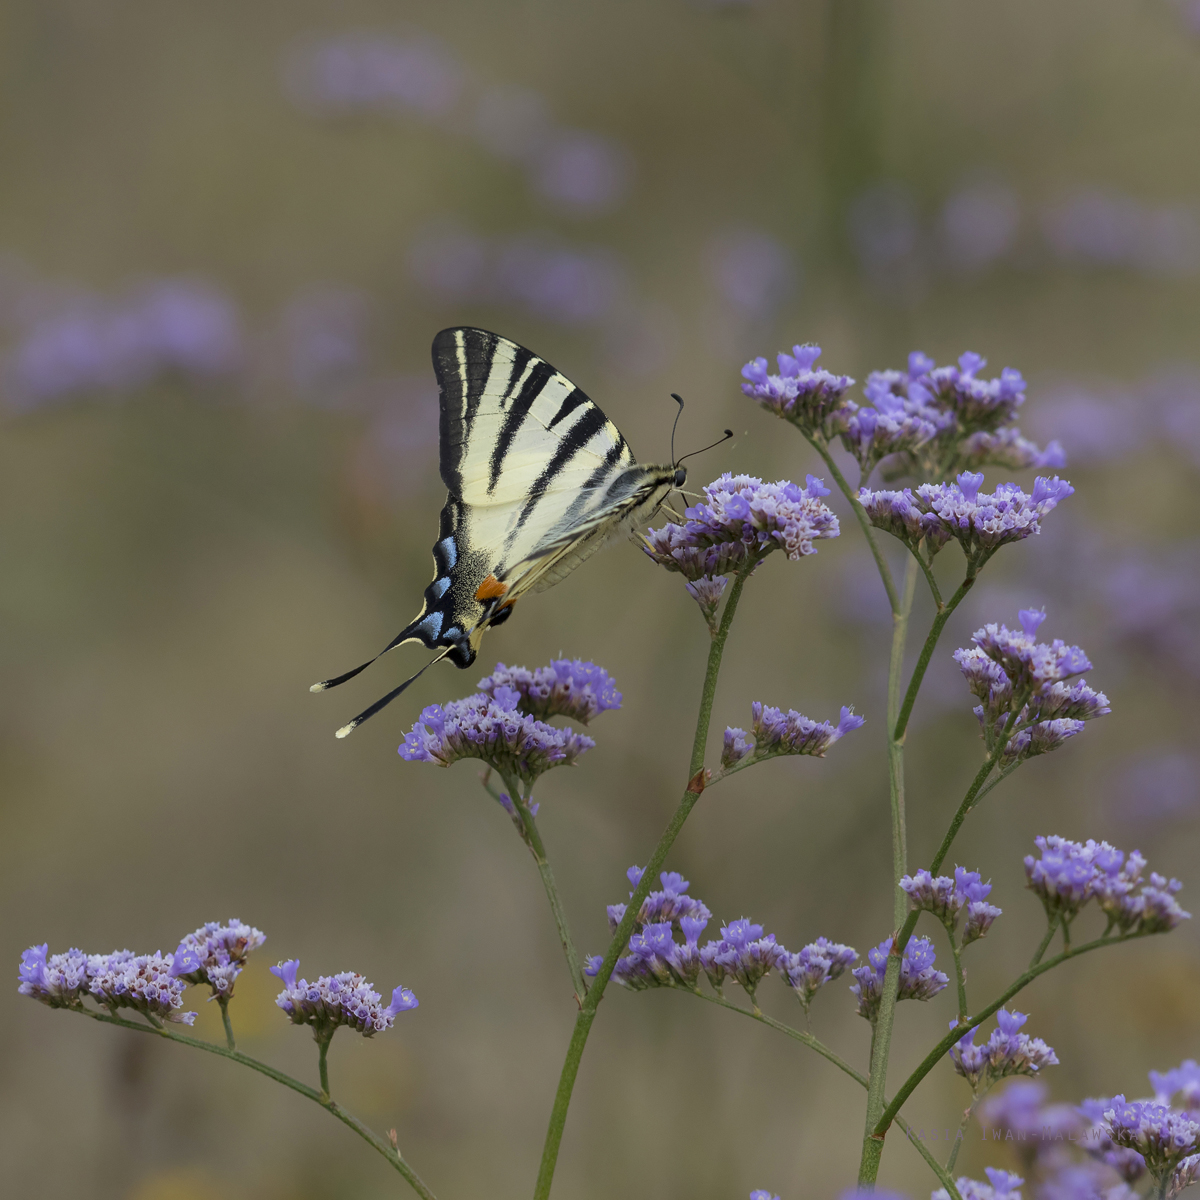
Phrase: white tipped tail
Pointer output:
(318, 687)
(346, 730)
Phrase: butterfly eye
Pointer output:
(680, 476)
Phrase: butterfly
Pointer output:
(539, 479)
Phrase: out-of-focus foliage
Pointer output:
(229, 233)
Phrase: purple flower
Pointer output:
(566, 688)
(215, 954)
(1011, 672)
(776, 732)
(707, 592)
(335, 1000)
(811, 399)
(1008, 448)
(60, 980)
(946, 898)
(919, 980)
(743, 953)
(1002, 1185)
(1069, 874)
(762, 1194)
(1162, 1136)
(1006, 1052)
(814, 966)
(492, 728)
(1183, 1080)
(655, 958)
(740, 522)
(140, 981)
(1021, 1112)
(900, 419)
(1098, 1142)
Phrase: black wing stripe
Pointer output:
(569, 405)
(515, 415)
(576, 439)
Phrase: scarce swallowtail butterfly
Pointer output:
(538, 478)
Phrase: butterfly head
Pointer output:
(680, 476)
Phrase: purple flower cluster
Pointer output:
(121, 979)
(811, 399)
(814, 966)
(492, 728)
(947, 897)
(1012, 673)
(1002, 1185)
(743, 953)
(1021, 1110)
(775, 732)
(1006, 1052)
(1098, 1142)
(919, 979)
(335, 1000)
(981, 522)
(172, 326)
(215, 954)
(566, 688)
(1070, 874)
(1182, 1081)
(762, 1194)
(1161, 1135)
(740, 522)
(926, 421)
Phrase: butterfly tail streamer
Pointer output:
(404, 635)
(384, 701)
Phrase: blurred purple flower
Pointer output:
(754, 274)
(582, 173)
(96, 344)
(571, 285)
(374, 73)
(1159, 786)
(1106, 228)
(883, 227)
(979, 224)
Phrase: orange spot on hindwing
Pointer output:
(490, 589)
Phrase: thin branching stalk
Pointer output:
(587, 1010)
(533, 839)
(860, 513)
(940, 1050)
(958, 1141)
(816, 1044)
(389, 1152)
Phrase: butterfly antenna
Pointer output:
(368, 713)
(678, 400)
(728, 435)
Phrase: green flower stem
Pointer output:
(927, 570)
(816, 1044)
(393, 1156)
(897, 726)
(864, 521)
(587, 1010)
(896, 744)
(960, 977)
(1044, 945)
(958, 1141)
(322, 1065)
(533, 839)
(223, 1001)
(940, 1050)
(935, 632)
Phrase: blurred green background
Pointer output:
(227, 236)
